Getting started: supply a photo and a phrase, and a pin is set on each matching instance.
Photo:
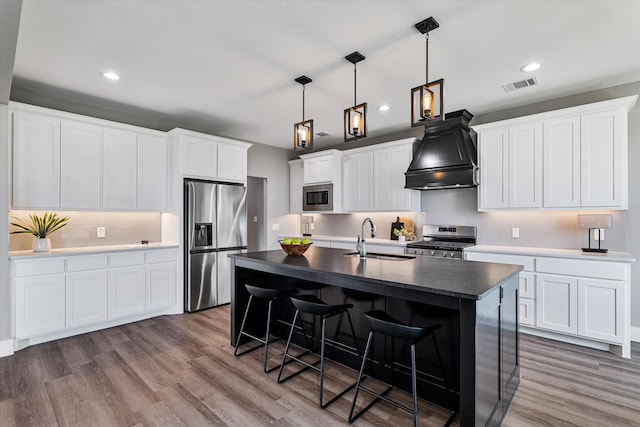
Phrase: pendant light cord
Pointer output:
(426, 38)
(355, 83)
(303, 88)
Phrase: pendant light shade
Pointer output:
(303, 131)
(427, 100)
(355, 118)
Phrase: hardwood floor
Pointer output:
(180, 370)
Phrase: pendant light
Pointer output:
(355, 118)
(303, 131)
(427, 100)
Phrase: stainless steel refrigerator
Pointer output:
(215, 227)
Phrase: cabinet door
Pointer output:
(80, 165)
(401, 199)
(603, 165)
(561, 163)
(525, 166)
(601, 309)
(232, 163)
(199, 157)
(86, 297)
(152, 173)
(557, 303)
(363, 182)
(40, 305)
(126, 291)
(119, 182)
(36, 161)
(296, 179)
(383, 187)
(161, 285)
(318, 169)
(494, 169)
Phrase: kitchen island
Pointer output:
(476, 304)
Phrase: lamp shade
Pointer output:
(595, 221)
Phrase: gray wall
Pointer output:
(269, 162)
(551, 229)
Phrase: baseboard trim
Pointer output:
(6, 348)
(634, 333)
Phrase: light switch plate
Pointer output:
(101, 232)
(515, 232)
(275, 227)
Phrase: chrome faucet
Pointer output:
(361, 246)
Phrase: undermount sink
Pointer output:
(386, 257)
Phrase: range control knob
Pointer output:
(433, 253)
(452, 254)
(444, 254)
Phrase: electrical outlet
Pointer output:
(598, 234)
(275, 227)
(255, 219)
(101, 232)
(312, 227)
(515, 232)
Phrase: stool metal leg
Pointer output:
(414, 384)
(286, 349)
(360, 376)
(244, 319)
(266, 340)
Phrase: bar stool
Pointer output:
(313, 305)
(270, 295)
(381, 322)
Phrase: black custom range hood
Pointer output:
(446, 156)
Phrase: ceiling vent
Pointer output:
(321, 134)
(520, 84)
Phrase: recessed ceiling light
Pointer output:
(111, 75)
(530, 67)
(384, 108)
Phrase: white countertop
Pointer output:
(89, 250)
(563, 253)
(353, 239)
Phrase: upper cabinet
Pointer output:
(570, 158)
(322, 167)
(67, 161)
(209, 157)
(374, 178)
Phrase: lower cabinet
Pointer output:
(557, 299)
(126, 291)
(63, 293)
(40, 305)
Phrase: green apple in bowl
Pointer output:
(305, 241)
(287, 241)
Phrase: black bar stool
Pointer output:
(381, 322)
(270, 295)
(313, 305)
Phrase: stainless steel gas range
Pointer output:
(444, 241)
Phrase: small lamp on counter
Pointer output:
(306, 221)
(595, 221)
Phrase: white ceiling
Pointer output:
(228, 67)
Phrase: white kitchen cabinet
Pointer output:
(570, 158)
(561, 165)
(199, 157)
(120, 162)
(151, 191)
(557, 303)
(525, 166)
(86, 297)
(494, 169)
(80, 165)
(127, 287)
(160, 278)
(322, 166)
(36, 161)
(603, 157)
(568, 298)
(232, 161)
(296, 181)
(374, 178)
(600, 309)
(39, 305)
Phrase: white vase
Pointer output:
(41, 245)
(402, 239)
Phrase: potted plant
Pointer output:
(41, 227)
(403, 234)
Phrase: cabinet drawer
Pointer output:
(126, 259)
(527, 312)
(527, 285)
(583, 268)
(86, 263)
(161, 255)
(526, 261)
(39, 267)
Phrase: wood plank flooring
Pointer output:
(180, 370)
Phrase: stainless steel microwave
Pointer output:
(317, 197)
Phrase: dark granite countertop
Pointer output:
(456, 278)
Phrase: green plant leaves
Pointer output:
(41, 227)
